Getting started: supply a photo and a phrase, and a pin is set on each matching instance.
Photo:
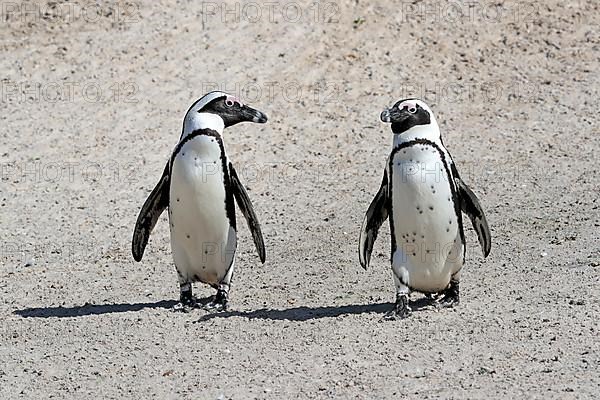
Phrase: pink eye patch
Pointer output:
(231, 100)
(411, 105)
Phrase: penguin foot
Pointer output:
(450, 297)
(218, 302)
(401, 309)
(187, 301)
(186, 306)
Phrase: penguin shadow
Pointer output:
(90, 309)
(303, 313)
(292, 314)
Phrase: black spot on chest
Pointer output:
(424, 143)
(229, 200)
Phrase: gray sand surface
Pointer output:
(93, 95)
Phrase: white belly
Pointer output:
(428, 243)
(202, 240)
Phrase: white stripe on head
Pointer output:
(421, 103)
(410, 104)
(207, 98)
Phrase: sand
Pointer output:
(93, 95)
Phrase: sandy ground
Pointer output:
(93, 95)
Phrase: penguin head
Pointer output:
(219, 110)
(408, 113)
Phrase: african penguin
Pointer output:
(423, 196)
(198, 186)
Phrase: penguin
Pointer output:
(199, 186)
(424, 197)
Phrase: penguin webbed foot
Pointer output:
(186, 305)
(450, 297)
(218, 302)
(401, 309)
(187, 301)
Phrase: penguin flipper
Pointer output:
(245, 205)
(375, 216)
(151, 210)
(469, 203)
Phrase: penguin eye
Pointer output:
(412, 109)
(229, 103)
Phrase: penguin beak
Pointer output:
(252, 115)
(385, 116)
(394, 115)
